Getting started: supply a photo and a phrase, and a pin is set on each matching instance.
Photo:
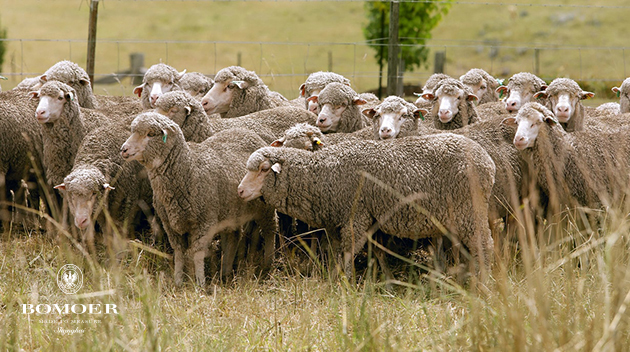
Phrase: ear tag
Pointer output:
(421, 116)
(619, 94)
(500, 81)
(501, 94)
(164, 136)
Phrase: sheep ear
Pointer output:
(541, 95)
(543, 87)
(43, 78)
(420, 113)
(60, 187)
(84, 82)
(428, 96)
(313, 98)
(188, 110)
(586, 95)
(138, 90)
(69, 96)
(107, 187)
(303, 90)
(370, 113)
(278, 142)
(317, 141)
(549, 117)
(241, 84)
(472, 97)
(276, 168)
(358, 101)
(181, 74)
(617, 91)
(501, 90)
(34, 94)
(509, 121)
(165, 134)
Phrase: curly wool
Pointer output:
(73, 75)
(199, 181)
(98, 162)
(408, 165)
(62, 138)
(523, 80)
(197, 126)
(196, 83)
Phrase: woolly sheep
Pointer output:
(194, 186)
(564, 98)
(482, 85)
(452, 105)
(76, 77)
(371, 179)
(188, 113)
(238, 92)
(584, 167)
(21, 151)
(623, 106)
(29, 83)
(493, 136)
(338, 109)
(159, 79)
(520, 89)
(196, 84)
(394, 118)
(314, 84)
(100, 176)
(429, 87)
(65, 125)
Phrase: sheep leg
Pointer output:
(268, 228)
(353, 238)
(200, 274)
(178, 257)
(229, 243)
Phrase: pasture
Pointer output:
(558, 282)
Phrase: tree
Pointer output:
(416, 20)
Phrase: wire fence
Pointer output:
(285, 65)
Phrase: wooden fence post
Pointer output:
(392, 53)
(91, 44)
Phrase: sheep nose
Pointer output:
(386, 130)
(563, 108)
(83, 223)
(321, 120)
(444, 112)
(124, 151)
(240, 192)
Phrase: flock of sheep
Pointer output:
(196, 158)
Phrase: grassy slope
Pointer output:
(475, 27)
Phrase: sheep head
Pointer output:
(259, 167)
(391, 115)
(333, 101)
(562, 97)
(449, 96)
(528, 122)
(152, 137)
(520, 89)
(52, 97)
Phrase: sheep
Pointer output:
(237, 92)
(188, 113)
(100, 177)
(314, 84)
(589, 168)
(429, 87)
(338, 109)
(158, 79)
(196, 83)
(194, 186)
(21, 151)
(623, 93)
(452, 105)
(482, 84)
(76, 77)
(490, 134)
(520, 89)
(373, 184)
(395, 117)
(64, 127)
(29, 83)
(563, 97)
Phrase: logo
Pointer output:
(69, 279)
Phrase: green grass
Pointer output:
(570, 48)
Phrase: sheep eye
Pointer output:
(59, 98)
(152, 134)
(265, 168)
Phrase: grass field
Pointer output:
(557, 286)
(580, 42)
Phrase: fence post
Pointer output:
(91, 48)
(440, 59)
(392, 53)
(537, 62)
(137, 63)
(238, 58)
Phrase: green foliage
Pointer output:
(416, 21)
